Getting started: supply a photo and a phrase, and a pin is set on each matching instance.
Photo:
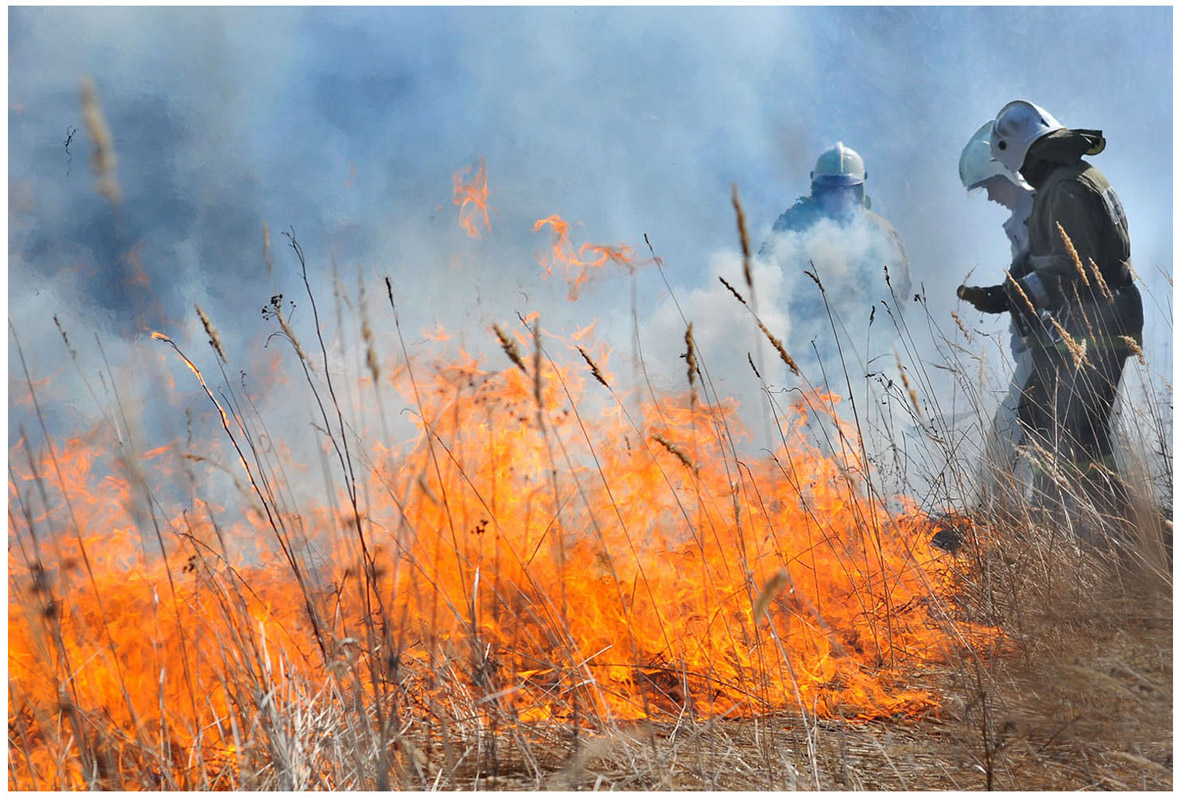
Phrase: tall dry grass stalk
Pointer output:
(415, 693)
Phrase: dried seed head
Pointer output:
(1078, 351)
(772, 588)
(370, 354)
(752, 365)
(730, 288)
(1070, 250)
(367, 334)
(291, 336)
(103, 160)
(1021, 293)
(510, 348)
(211, 331)
(910, 391)
(676, 452)
(1104, 290)
(744, 238)
(595, 372)
(959, 323)
(690, 355)
(783, 355)
(1134, 347)
(812, 276)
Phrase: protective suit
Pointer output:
(1080, 311)
(980, 171)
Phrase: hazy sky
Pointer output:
(348, 124)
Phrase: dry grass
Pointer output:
(1080, 695)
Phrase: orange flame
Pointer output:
(578, 270)
(611, 577)
(543, 550)
(472, 198)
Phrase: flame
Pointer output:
(577, 269)
(546, 548)
(438, 334)
(472, 198)
(539, 551)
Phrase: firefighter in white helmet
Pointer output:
(856, 254)
(1079, 276)
(979, 170)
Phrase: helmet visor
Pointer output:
(836, 180)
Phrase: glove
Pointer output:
(986, 300)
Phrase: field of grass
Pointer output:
(564, 582)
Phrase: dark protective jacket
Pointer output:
(1074, 194)
(1067, 404)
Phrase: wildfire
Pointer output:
(539, 559)
(547, 549)
(472, 198)
(577, 269)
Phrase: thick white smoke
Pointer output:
(347, 124)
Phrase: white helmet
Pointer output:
(839, 166)
(977, 164)
(1017, 126)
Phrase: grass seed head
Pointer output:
(103, 160)
(1070, 250)
(211, 331)
(1135, 348)
(812, 276)
(778, 344)
(674, 450)
(595, 372)
(730, 288)
(1021, 293)
(910, 391)
(367, 335)
(510, 348)
(744, 238)
(1078, 351)
(960, 323)
(1104, 290)
(690, 355)
(291, 336)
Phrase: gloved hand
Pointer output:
(987, 300)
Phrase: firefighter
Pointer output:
(855, 253)
(1079, 274)
(980, 171)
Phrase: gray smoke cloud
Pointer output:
(346, 126)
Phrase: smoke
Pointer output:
(345, 126)
(733, 352)
(840, 301)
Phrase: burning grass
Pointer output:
(520, 563)
(551, 581)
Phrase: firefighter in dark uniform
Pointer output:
(1076, 304)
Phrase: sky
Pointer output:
(346, 126)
